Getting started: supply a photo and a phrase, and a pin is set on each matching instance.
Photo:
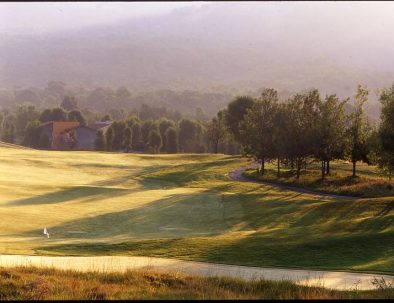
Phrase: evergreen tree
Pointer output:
(99, 142)
(109, 136)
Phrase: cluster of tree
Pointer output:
(149, 129)
(307, 126)
(161, 136)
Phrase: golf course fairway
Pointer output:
(182, 206)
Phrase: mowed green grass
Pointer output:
(182, 206)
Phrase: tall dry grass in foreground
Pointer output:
(28, 283)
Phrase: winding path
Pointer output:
(329, 279)
(237, 176)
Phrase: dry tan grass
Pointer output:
(49, 284)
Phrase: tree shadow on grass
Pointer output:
(69, 194)
(176, 215)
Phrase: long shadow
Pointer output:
(68, 194)
(190, 172)
(175, 215)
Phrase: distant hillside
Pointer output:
(227, 47)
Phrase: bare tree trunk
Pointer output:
(328, 168)
(298, 168)
(262, 168)
(278, 167)
(323, 170)
(354, 169)
(216, 147)
(292, 164)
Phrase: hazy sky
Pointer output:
(39, 17)
(33, 17)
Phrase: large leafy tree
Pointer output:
(216, 130)
(386, 131)
(300, 127)
(330, 132)
(235, 113)
(257, 128)
(358, 129)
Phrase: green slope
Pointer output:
(182, 206)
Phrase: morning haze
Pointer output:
(196, 150)
(293, 46)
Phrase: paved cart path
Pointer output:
(237, 175)
(329, 279)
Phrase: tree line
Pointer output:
(148, 129)
(309, 126)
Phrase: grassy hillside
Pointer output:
(182, 206)
(48, 284)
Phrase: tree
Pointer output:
(136, 139)
(188, 130)
(164, 124)
(99, 142)
(118, 128)
(257, 128)
(216, 131)
(109, 138)
(127, 134)
(8, 129)
(235, 114)
(76, 115)
(171, 141)
(44, 141)
(358, 129)
(24, 114)
(58, 114)
(46, 116)
(330, 132)
(386, 131)
(69, 103)
(154, 141)
(146, 127)
(300, 127)
(32, 134)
